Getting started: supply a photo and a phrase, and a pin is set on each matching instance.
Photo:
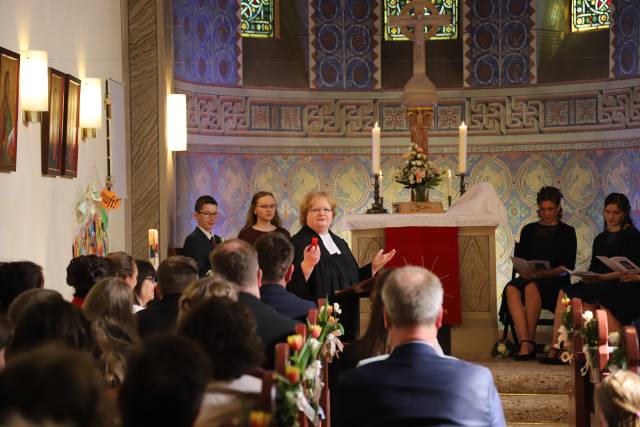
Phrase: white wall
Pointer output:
(83, 38)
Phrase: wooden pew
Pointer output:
(579, 406)
(632, 348)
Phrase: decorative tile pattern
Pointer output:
(206, 41)
(625, 38)
(343, 47)
(499, 42)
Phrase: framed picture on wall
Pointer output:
(9, 75)
(71, 127)
(53, 125)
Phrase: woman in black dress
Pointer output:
(619, 238)
(262, 218)
(323, 261)
(550, 240)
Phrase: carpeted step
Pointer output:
(545, 409)
(529, 377)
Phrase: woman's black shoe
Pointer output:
(527, 356)
(553, 357)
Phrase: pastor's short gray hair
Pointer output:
(412, 296)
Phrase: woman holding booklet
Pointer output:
(601, 285)
(551, 245)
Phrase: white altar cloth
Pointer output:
(478, 207)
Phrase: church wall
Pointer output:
(582, 138)
(37, 217)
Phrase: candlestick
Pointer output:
(375, 149)
(378, 202)
(463, 186)
(462, 148)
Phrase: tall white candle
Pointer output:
(462, 148)
(449, 186)
(375, 149)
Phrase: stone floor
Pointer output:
(532, 393)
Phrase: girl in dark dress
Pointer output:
(323, 261)
(548, 240)
(262, 218)
(619, 238)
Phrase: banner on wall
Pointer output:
(92, 235)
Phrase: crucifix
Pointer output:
(419, 94)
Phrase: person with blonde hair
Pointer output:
(262, 218)
(618, 398)
(203, 289)
(323, 261)
(108, 308)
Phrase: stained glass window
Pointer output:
(256, 18)
(446, 7)
(590, 14)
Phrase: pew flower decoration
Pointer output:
(565, 330)
(418, 174)
(503, 349)
(301, 386)
(259, 419)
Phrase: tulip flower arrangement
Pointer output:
(300, 388)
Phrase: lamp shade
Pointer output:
(177, 122)
(34, 81)
(90, 103)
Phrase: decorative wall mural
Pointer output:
(343, 46)
(500, 42)
(625, 38)
(206, 42)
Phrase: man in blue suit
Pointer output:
(415, 386)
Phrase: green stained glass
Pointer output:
(256, 18)
(445, 7)
(590, 14)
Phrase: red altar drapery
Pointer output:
(436, 249)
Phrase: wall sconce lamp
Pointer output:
(90, 107)
(34, 85)
(177, 122)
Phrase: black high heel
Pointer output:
(527, 356)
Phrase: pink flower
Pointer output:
(420, 175)
(419, 150)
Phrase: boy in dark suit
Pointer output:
(275, 257)
(199, 244)
(415, 386)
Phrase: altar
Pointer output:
(478, 330)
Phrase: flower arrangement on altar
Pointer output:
(300, 388)
(418, 174)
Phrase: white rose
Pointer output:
(336, 308)
(614, 339)
(587, 316)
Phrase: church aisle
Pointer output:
(532, 393)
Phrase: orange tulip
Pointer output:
(259, 419)
(315, 330)
(293, 374)
(295, 342)
(566, 302)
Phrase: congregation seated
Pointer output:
(16, 277)
(275, 257)
(174, 275)
(227, 332)
(5, 334)
(165, 382)
(52, 320)
(235, 260)
(201, 290)
(618, 400)
(26, 299)
(144, 290)
(108, 308)
(85, 271)
(415, 385)
(52, 385)
(126, 268)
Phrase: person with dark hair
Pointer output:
(174, 275)
(126, 269)
(415, 385)
(227, 332)
(236, 261)
(199, 244)
(26, 299)
(275, 257)
(5, 334)
(108, 308)
(165, 383)
(52, 384)
(144, 290)
(548, 239)
(262, 218)
(16, 277)
(85, 271)
(619, 238)
(51, 320)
